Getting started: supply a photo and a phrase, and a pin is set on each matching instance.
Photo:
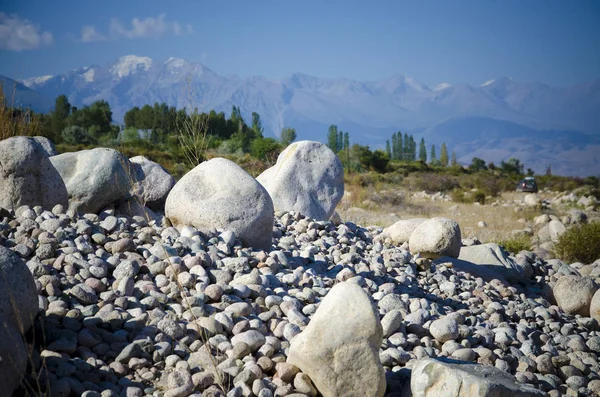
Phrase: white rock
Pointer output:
(94, 178)
(556, 229)
(400, 232)
(492, 256)
(218, 194)
(574, 294)
(308, 178)
(153, 182)
(444, 329)
(435, 378)
(531, 200)
(339, 349)
(27, 176)
(436, 237)
(18, 294)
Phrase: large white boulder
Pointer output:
(400, 232)
(492, 256)
(94, 178)
(18, 295)
(437, 378)
(436, 237)
(308, 178)
(219, 195)
(339, 349)
(152, 182)
(573, 294)
(27, 177)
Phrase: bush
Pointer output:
(459, 196)
(516, 244)
(579, 244)
(479, 197)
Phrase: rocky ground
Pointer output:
(136, 308)
(122, 303)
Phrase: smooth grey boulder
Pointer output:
(94, 178)
(18, 295)
(400, 232)
(13, 358)
(531, 200)
(487, 273)
(27, 176)
(219, 195)
(339, 349)
(436, 237)
(152, 182)
(574, 294)
(46, 144)
(308, 178)
(492, 256)
(452, 378)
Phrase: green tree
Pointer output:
(453, 161)
(388, 148)
(432, 156)
(257, 125)
(444, 156)
(75, 134)
(347, 148)
(332, 137)
(512, 166)
(288, 135)
(266, 149)
(340, 142)
(422, 151)
(62, 109)
(477, 165)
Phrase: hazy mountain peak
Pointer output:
(36, 80)
(175, 62)
(442, 86)
(130, 64)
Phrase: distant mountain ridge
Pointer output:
(370, 110)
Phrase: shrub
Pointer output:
(579, 244)
(479, 197)
(516, 244)
(459, 196)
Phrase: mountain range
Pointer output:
(499, 119)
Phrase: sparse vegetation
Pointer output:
(516, 244)
(581, 243)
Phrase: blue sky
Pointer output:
(454, 41)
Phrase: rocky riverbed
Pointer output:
(117, 281)
(136, 308)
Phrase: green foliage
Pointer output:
(377, 160)
(516, 244)
(444, 156)
(432, 157)
(332, 138)
(288, 135)
(477, 165)
(453, 161)
(58, 118)
(75, 134)
(579, 243)
(479, 197)
(422, 151)
(266, 149)
(512, 166)
(459, 196)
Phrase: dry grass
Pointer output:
(15, 122)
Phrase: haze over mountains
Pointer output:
(501, 118)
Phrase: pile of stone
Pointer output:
(197, 302)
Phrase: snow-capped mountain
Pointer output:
(369, 110)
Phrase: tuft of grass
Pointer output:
(516, 244)
(15, 122)
(580, 243)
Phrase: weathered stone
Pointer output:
(339, 349)
(436, 237)
(308, 178)
(449, 378)
(27, 176)
(400, 232)
(574, 294)
(94, 178)
(492, 256)
(152, 182)
(218, 194)
(18, 295)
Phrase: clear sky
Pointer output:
(556, 42)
